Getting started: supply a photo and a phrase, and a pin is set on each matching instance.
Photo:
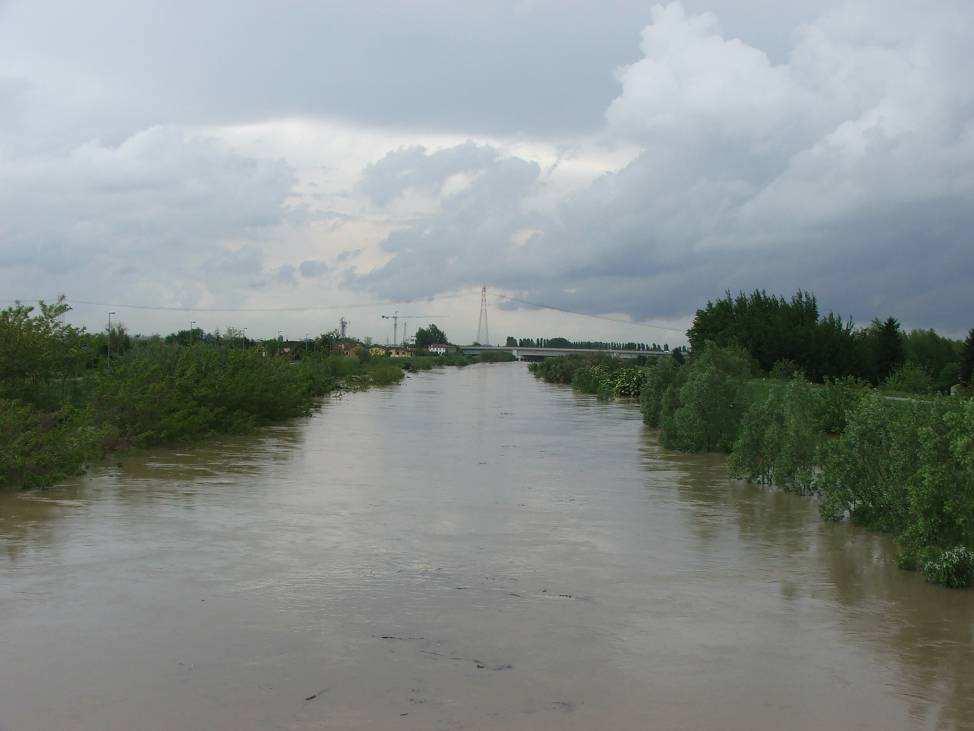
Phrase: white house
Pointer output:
(438, 349)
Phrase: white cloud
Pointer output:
(839, 169)
(825, 145)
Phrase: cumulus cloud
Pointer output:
(413, 168)
(161, 205)
(464, 243)
(313, 268)
(846, 168)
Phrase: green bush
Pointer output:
(864, 472)
(785, 369)
(658, 379)
(910, 378)
(954, 568)
(496, 356)
(941, 489)
(779, 438)
(38, 448)
(559, 370)
(628, 382)
(705, 414)
(596, 378)
(384, 373)
(167, 393)
(839, 396)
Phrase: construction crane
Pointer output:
(396, 317)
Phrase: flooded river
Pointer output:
(472, 549)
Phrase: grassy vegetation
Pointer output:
(900, 466)
(64, 404)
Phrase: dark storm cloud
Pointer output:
(826, 145)
(846, 171)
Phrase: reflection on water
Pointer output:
(472, 549)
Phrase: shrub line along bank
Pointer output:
(902, 466)
(64, 405)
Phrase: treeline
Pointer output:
(787, 336)
(68, 396)
(584, 344)
(900, 465)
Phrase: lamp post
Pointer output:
(110, 340)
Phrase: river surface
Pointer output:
(472, 549)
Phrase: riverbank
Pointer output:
(169, 394)
(899, 466)
(67, 400)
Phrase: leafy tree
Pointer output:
(38, 351)
(432, 335)
(937, 355)
(658, 379)
(779, 437)
(884, 349)
(767, 326)
(510, 342)
(967, 360)
(705, 414)
(910, 378)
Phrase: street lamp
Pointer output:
(110, 340)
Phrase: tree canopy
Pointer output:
(431, 335)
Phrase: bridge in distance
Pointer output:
(541, 353)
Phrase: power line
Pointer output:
(313, 308)
(655, 326)
(166, 308)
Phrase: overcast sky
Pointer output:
(617, 157)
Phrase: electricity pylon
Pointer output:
(483, 333)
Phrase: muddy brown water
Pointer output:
(472, 549)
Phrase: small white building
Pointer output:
(438, 349)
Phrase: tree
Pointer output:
(37, 347)
(510, 342)
(432, 335)
(967, 360)
(884, 348)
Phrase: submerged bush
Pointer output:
(628, 382)
(839, 396)
(658, 379)
(561, 369)
(705, 412)
(37, 447)
(954, 568)
(910, 378)
(779, 438)
(865, 471)
(169, 393)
